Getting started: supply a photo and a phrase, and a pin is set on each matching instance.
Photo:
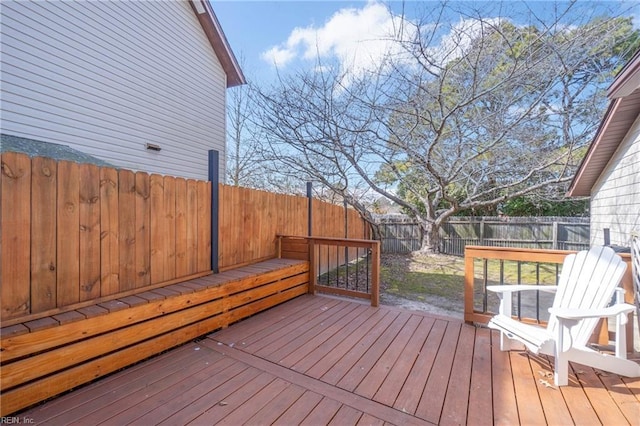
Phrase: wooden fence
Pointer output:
(402, 235)
(250, 220)
(75, 234)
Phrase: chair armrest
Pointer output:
(524, 287)
(577, 314)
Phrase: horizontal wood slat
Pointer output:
(40, 364)
(342, 292)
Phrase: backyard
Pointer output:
(430, 283)
(434, 283)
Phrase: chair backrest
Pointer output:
(587, 281)
(635, 269)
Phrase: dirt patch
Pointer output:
(428, 283)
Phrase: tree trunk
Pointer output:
(430, 237)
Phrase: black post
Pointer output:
(310, 206)
(346, 219)
(214, 178)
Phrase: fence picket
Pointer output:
(109, 261)
(127, 228)
(181, 228)
(203, 248)
(192, 226)
(43, 233)
(157, 229)
(68, 249)
(89, 217)
(169, 216)
(143, 234)
(15, 189)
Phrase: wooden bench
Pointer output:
(51, 355)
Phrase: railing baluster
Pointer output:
(538, 292)
(485, 280)
(358, 266)
(368, 257)
(519, 293)
(328, 264)
(346, 261)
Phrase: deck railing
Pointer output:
(341, 266)
(497, 265)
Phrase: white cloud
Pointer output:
(359, 39)
(278, 56)
(458, 40)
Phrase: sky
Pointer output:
(278, 36)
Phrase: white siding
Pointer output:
(615, 198)
(108, 77)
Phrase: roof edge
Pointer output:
(574, 189)
(218, 40)
(627, 80)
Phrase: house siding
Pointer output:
(106, 78)
(615, 198)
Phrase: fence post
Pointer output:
(555, 235)
(313, 276)
(214, 178)
(312, 258)
(375, 274)
(310, 207)
(346, 219)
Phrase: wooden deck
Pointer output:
(321, 360)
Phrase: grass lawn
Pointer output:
(438, 280)
(416, 276)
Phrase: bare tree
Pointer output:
(243, 149)
(496, 111)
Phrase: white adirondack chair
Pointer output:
(635, 263)
(585, 288)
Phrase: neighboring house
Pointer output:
(610, 172)
(113, 79)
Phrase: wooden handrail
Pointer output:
(532, 256)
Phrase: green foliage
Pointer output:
(531, 206)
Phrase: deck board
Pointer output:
(432, 401)
(480, 411)
(454, 411)
(582, 412)
(600, 399)
(374, 378)
(505, 407)
(322, 360)
(401, 369)
(412, 391)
